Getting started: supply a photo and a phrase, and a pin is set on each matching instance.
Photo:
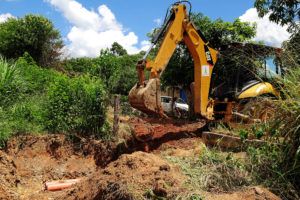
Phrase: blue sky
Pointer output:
(88, 26)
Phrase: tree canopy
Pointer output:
(284, 12)
(181, 68)
(34, 34)
(281, 11)
(118, 73)
(117, 49)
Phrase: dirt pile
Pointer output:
(30, 161)
(131, 176)
(154, 131)
(146, 129)
(107, 170)
(149, 134)
(254, 193)
(8, 177)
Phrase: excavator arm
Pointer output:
(145, 95)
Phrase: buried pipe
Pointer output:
(59, 185)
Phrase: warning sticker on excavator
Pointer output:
(205, 70)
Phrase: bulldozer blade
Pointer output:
(146, 98)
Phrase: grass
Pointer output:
(277, 166)
(211, 170)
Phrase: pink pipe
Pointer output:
(59, 185)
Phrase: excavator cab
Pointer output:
(250, 71)
(246, 66)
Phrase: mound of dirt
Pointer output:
(30, 161)
(107, 170)
(131, 176)
(8, 177)
(254, 193)
(146, 129)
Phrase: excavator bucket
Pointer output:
(146, 98)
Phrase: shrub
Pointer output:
(35, 79)
(76, 105)
(276, 165)
(5, 133)
(82, 65)
(26, 117)
(9, 81)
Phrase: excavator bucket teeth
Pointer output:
(146, 98)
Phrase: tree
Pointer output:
(291, 57)
(281, 11)
(128, 74)
(107, 68)
(181, 68)
(34, 34)
(220, 33)
(117, 49)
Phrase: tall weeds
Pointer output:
(277, 164)
(9, 79)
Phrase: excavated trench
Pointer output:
(28, 162)
(107, 170)
(149, 134)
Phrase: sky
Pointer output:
(87, 26)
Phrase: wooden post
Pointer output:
(172, 102)
(116, 115)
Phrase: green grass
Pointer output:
(278, 166)
(212, 170)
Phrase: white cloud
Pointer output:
(270, 32)
(92, 30)
(145, 45)
(4, 17)
(157, 21)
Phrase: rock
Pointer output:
(164, 167)
(160, 189)
(258, 191)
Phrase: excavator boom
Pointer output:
(145, 95)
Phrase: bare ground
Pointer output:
(108, 170)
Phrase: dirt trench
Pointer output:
(28, 162)
(107, 170)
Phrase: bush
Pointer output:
(9, 81)
(5, 132)
(118, 73)
(34, 34)
(34, 78)
(81, 65)
(76, 106)
(276, 164)
(26, 117)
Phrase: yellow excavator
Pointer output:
(145, 95)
